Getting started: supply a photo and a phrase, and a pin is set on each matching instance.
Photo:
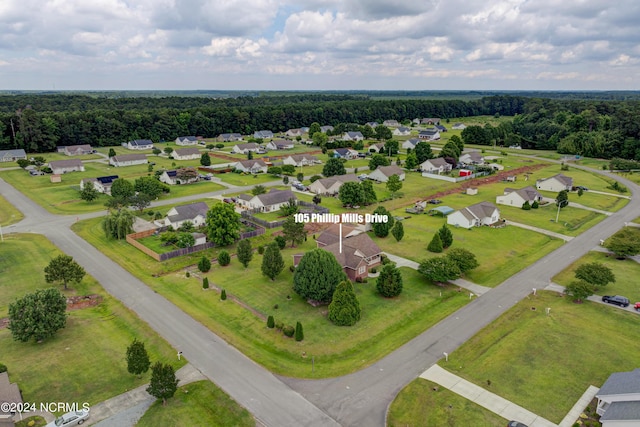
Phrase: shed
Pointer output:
(464, 172)
(472, 191)
(56, 178)
(444, 210)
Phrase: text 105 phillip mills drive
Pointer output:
(329, 218)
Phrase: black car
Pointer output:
(616, 299)
(435, 201)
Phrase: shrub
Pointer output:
(3, 368)
(204, 264)
(280, 241)
(205, 283)
(270, 322)
(535, 205)
(188, 274)
(299, 332)
(288, 331)
(526, 206)
(223, 295)
(279, 325)
(224, 258)
(436, 244)
(275, 306)
(314, 178)
(260, 250)
(384, 259)
(292, 268)
(374, 270)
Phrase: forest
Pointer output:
(590, 126)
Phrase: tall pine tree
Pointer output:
(272, 262)
(436, 244)
(137, 358)
(344, 309)
(244, 252)
(446, 237)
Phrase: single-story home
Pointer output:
(556, 183)
(263, 134)
(431, 134)
(179, 176)
(383, 173)
(352, 136)
(471, 158)
(128, 160)
(63, 166)
(298, 160)
(437, 165)
(186, 140)
(410, 144)
(483, 213)
(252, 166)
(345, 153)
(245, 148)
(331, 186)
(229, 137)
(459, 126)
(401, 131)
(619, 400)
(440, 128)
(140, 144)
(430, 121)
(325, 129)
(280, 144)
(12, 155)
(9, 393)
(292, 133)
(189, 153)
(391, 123)
(268, 202)
(518, 198)
(102, 183)
(376, 148)
(196, 213)
(76, 150)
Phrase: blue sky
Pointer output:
(319, 44)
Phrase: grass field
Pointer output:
(196, 404)
(88, 354)
(8, 213)
(418, 404)
(545, 363)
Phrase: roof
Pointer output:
(264, 133)
(404, 129)
(9, 392)
(276, 196)
(527, 193)
(328, 182)
(187, 151)
(331, 234)
(444, 210)
(248, 146)
(188, 138)
(343, 151)
(141, 142)
(129, 157)
(438, 161)
(412, 141)
(474, 155)
(355, 134)
(390, 170)
(281, 143)
(628, 411)
(479, 210)
(308, 157)
(250, 164)
(106, 179)
(189, 212)
(621, 383)
(354, 249)
(83, 147)
(429, 132)
(565, 180)
(13, 153)
(71, 163)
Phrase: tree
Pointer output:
(205, 283)
(211, 147)
(381, 229)
(249, 155)
(112, 152)
(435, 245)
(463, 258)
(316, 199)
(205, 160)
(224, 258)
(526, 206)
(423, 151)
(383, 132)
(397, 231)
(285, 180)
(351, 194)
(439, 269)
(118, 224)
(369, 193)
(411, 162)
(140, 201)
(122, 189)
(89, 192)
(244, 252)
(535, 205)
(625, 243)
(320, 139)
(344, 309)
(293, 231)
(314, 128)
(168, 151)
(258, 189)
(389, 283)
(300, 176)
(378, 160)
(184, 175)
(150, 186)
(317, 275)
(274, 170)
(475, 134)
(394, 184)
(39, 315)
(391, 147)
(223, 295)
(204, 264)
(446, 237)
(456, 140)
(223, 224)
(272, 262)
(271, 323)
(164, 383)
(288, 169)
(63, 269)
(280, 241)
(185, 240)
(155, 151)
(137, 358)
(596, 274)
(450, 149)
(562, 199)
(579, 290)
(333, 167)
(299, 332)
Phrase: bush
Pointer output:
(279, 325)
(223, 295)
(224, 258)
(188, 274)
(292, 268)
(374, 270)
(526, 206)
(280, 241)
(384, 259)
(535, 205)
(204, 264)
(314, 178)
(288, 331)
(270, 322)
(3, 368)
(260, 250)
(205, 283)
(299, 332)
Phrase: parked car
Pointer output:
(637, 306)
(516, 424)
(435, 201)
(616, 299)
(70, 418)
(363, 177)
(580, 187)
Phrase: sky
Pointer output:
(319, 45)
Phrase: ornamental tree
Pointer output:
(122, 189)
(398, 231)
(463, 258)
(394, 185)
(164, 383)
(436, 244)
(89, 192)
(381, 229)
(369, 193)
(389, 282)
(317, 276)
(333, 167)
(244, 252)
(38, 315)
(137, 358)
(344, 309)
(118, 224)
(595, 273)
(293, 231)
(150, 186)
(439, 269)
(222, 224)
(351, 194)
(423, 151)
(272, 262)
(446, 237)
(378, 160)
(63, 269)
(579, 290)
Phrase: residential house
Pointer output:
(128, 160)
(12, 155)
(298, 160)
(179, 176)
(401, 131)
(331, 186)
(263, 134)
(459, 126)
(372, 124)
(517, 198)
(345, 153)
(76, 150)
(556, 183)
(196, 213)
(430, 121)
(410, 144)
(471, 158)
(280, 144)
(431, 134)
(252, 166)
(325, 129)
(437, 165)
(269, 202)
(245, 148)
(292, 133)
(186, 140)
(376, 148)
(619, 400)
(139, 144)
(440, 128)
(189, 153)
(383, 173)
(353, 136)
(102, 183)
(9, 394)
(229, 137)
(391, 123)
(483, 213)
(59, 167)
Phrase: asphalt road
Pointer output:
(357, 399)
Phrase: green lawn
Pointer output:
(426, 404)
(88, 354)
(8, 213)
(242, 180)
(61, 156)
(544, 363)
(196, 404)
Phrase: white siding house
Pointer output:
(483, 213)
(252, 166)
(186, 140)
(518, 198)
(59, 167)
(128, 160)
(556, 183)
(437, 165)
(383, 173)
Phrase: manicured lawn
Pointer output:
(88, 354)
(626, 272)
(418, 404)
(545, 363)
(8, 213)
(61, 156)
(195, 404)
(571, 221)
(336, 350)
(242, 180)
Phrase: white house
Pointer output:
(189, 153)
(229, 137)
(59, 167)
(431, 134)
(176, 177)
(383, 173)
(619, 400)
(102, 183)
(410, 144)
(376, 148)
(186, 140)
(12, 155)
(325, 129)
(459, 126)
(298, 160)
(556, 183)
(401, 131)
(269, 202)
(196, 213)
(483, 213)
(518, 198)
(292, 133)
(471, 158)
(330, 186)
(263, 134)
(245, 148)
(353, 136)
(76, 150)
(280, 144)
(345, 153)
(251, 166)
(391, 123)
(128, 160)
(437, 165)
(140, 144)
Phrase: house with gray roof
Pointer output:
(280, 144)
(76, 150)
(128, 160)
(292, 133)
(471, 158)
(556, 183)
(331, 186)
(268, 202)
(139, 144)
(59, 167)
(245, 148)
(251, 166)
(431, 134)
(189, 153)
(518, 198)
(102, 183)
(263, 134)
(483, 213)
(327, 128)
(410, 144)
(383, 173)
(437, 166)
(459, 126)
(12, 155)
(353, 136)
(186, 140)
(301, 160)
(196, 213)
(402, 131)
(391, 123)
(619, 400)
(345, 153)
(229, 137)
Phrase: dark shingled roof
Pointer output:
(189, 212)
(276, 196)
(621, 383)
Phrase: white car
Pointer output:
(70, 419)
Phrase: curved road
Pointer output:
(357, 399)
